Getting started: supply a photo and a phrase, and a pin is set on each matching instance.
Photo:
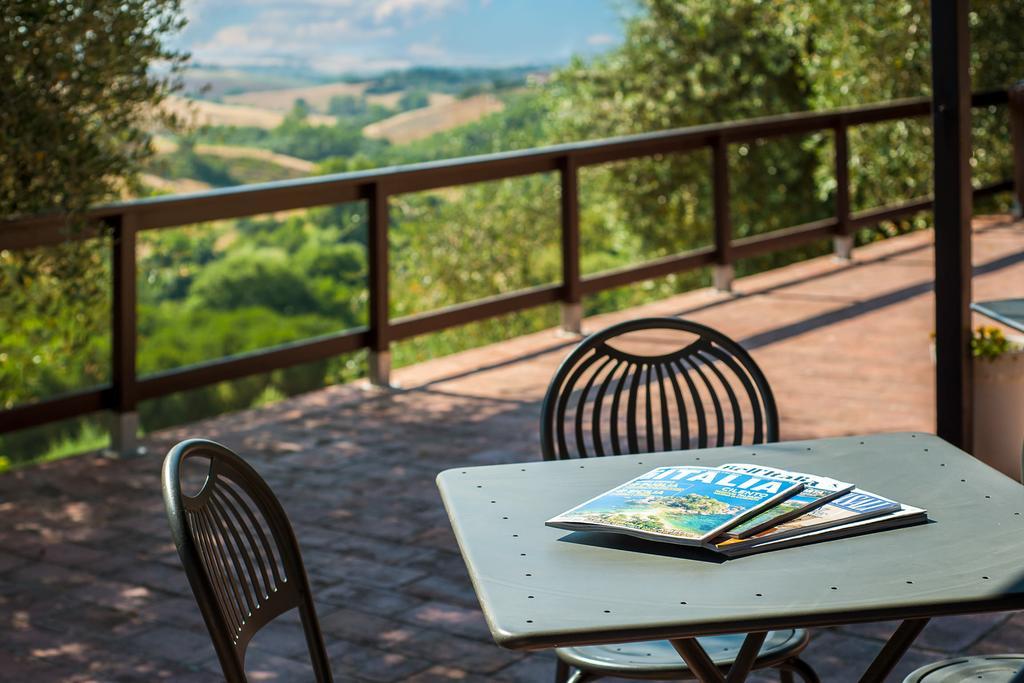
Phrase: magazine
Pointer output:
(685, 505)
(904, 516)
(854, 507)
(817, 491)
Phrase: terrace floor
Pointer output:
(91, 588)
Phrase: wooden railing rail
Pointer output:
(126, 219)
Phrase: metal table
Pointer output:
(541, 587)
(1010, 312)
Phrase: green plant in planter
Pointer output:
(989, 343)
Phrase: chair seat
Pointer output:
(657, 659)
(992, 668)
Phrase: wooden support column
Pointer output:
(1016, 97)
(951, 115)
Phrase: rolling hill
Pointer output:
(421, 123)
(205, 113)
(281, 100)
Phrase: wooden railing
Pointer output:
(125, 220)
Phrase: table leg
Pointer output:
(893, 650)
(696, 657)
(744, 661)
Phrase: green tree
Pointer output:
(170, 260)
(80, 90)
(336, 273)
(317, 142)
(869, 52)
(79, 95)
(347, 105)
(700, 61)
(413, 99)
(172, 335)
(185, 162)
(297, 115)
(683, 64)
(488, 239)
(246, 278)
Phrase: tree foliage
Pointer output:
(868, 52)
(686, 63)
(414, 99)
(252, 278)
(80, 92)
(683, 64)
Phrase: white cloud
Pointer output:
(233, 36)
(385, 9)
(601, 39)
(427, 51)
(328, 35)
(342, 63)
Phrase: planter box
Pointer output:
(999, 412)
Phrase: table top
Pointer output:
(1007, 311)
(542, 587)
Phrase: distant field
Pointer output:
(385, 99)
(281, 100)
(390, 99)
(217, 82)
(283, 160)
(438, 98)
(178, 186)
(421, 123)
(318, 97)
(205, 113)
(241, 164)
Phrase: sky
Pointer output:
(346, 36)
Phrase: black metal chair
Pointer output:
(240, 555)
(995, 668)
(706, 391)
(661, 384)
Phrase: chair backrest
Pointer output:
(656, 384)
(240, 554)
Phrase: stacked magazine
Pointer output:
(737, 509)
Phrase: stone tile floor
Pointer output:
(91, 588)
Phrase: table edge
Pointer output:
(824, 620)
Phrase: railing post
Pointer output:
(377, 247)
(722, 272)
(842, 241)
(1016, 96)
(124, 423)
(572, 306)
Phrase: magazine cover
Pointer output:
(816, 492)
(853, 507)
(687, 505)
(905, 516)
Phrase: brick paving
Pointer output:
(91, 588)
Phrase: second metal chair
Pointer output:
(659, 384)
(240, 555)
